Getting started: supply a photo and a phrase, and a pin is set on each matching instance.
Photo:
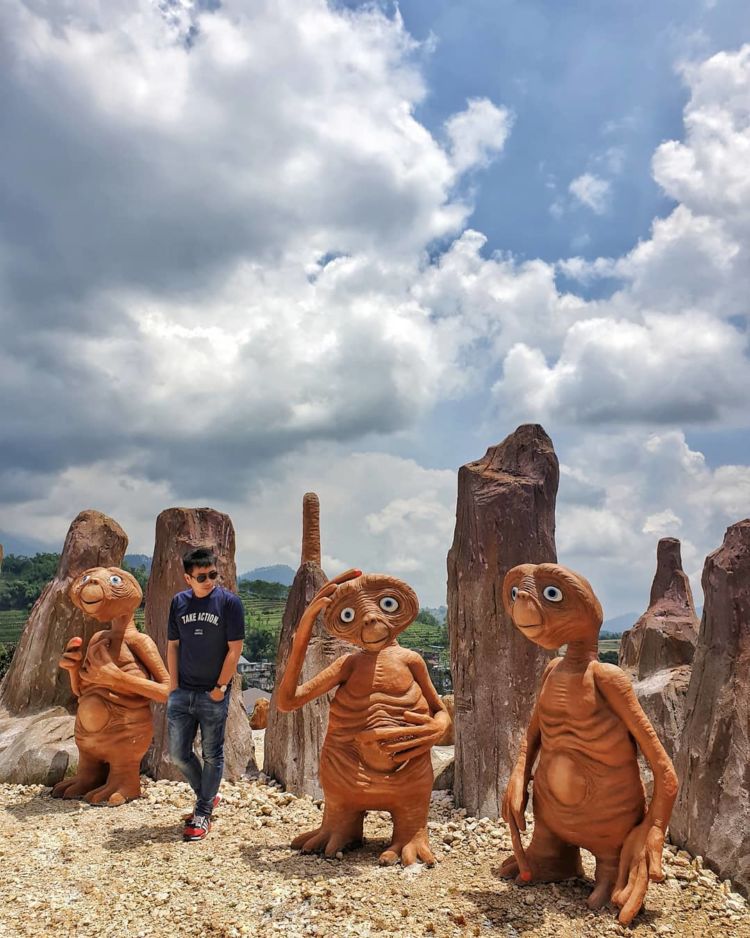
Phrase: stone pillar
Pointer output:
(34, 681)
(658, 650)
(505, 516)
(178, 530)
(712, 814)
(294, 740)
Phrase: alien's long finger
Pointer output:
(412, 717)
(637, 895)
(344, 577)
(411, 753)
(655, 872)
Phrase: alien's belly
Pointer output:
(93, 713)
(352, 718)
(566, 780)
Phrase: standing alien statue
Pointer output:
(384, 718)
(121, 672)
(585, 726)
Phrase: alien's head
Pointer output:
(371, 610)
(551, 605)
(105, 593)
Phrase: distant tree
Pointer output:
(141, 576)
(610, 657)
(262, 589)
(260, 645)
(23, 579)
(6, 656)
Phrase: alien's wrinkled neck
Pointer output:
(581, 653)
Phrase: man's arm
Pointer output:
(173, 657)
(228, 669)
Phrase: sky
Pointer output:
(254, 248)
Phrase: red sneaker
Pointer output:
(214, 805)
(197, 828)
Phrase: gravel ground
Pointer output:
(69, 869)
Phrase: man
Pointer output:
(205, 636)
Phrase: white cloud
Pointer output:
(478, 133)
(592, 191)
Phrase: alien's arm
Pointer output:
(290, 697)
(618, 691)
(517, 791)
(101, 669)
(144, 648)
(438, 710)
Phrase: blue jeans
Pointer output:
(186, 711)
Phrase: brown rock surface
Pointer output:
(712, 814)
(665, 635)
(294, 740)
(505, 515)
(657, 652)
(259, 717)
(450, 735)
(177, 531)
(34, 681)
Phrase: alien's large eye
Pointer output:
(388, 604)
(347, 615)
(514, 593)
(115, 580)
(553, 594)
(85, 579)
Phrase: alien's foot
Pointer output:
(417, 848)
(74, 787)
(114, 792)
(327, 840)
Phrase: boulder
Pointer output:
(293, 740)
(505, 516)
(38, 749)
(34, 682)
(442, 767)
(658, 650)
(178, 530)
(712, 813)
(259, 717)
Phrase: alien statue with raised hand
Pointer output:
(384, 718)
(114, 682)
(585, 727)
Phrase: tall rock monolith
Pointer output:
(294, 740)
(178, 530)
(712, 814)
(505, 515)
(665, 635)
(34, 681)
(657, 652)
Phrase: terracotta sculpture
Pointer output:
(585, 726)
(384, 718)
(121, 672)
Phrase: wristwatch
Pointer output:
(222, 688)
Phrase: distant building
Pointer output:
(243, 665)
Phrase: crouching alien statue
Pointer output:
(384, 718)
(120, 673)
(585, 727)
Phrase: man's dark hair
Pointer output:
(198, 557)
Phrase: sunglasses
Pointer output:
(202, 577)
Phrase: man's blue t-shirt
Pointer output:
(203, 627)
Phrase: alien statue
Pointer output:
(384, 718)
(121, 672)
(585, 727)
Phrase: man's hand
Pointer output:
(216, 694)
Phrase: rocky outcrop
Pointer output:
(712, 813)
(293, 740)
(178, 530)
(38, 749)
(505, 516)
(34, 681)
(665, 635)
(658, 650)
